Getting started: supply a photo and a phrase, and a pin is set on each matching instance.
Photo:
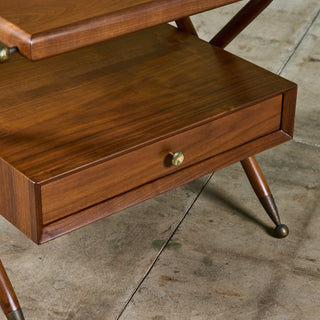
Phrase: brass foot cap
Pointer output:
(15, 315)
(281, 231)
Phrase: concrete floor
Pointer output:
(202, 251)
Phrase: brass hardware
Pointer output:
(177, 158)
(15, 315)
(281, 230)
(5, 52)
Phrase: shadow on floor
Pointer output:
(218, 195)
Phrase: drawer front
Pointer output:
(97, 183)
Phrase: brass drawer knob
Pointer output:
(177, 158)
(4, 53)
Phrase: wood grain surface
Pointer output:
(19, 201)
(153, 188)
(71, 111)
(45, 28)
(95, 184)
(86, 116)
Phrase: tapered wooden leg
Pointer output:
(262, 190)
(241, 20)
(8, 299)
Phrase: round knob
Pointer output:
(4, 53)
(177, 158)
(281, 231)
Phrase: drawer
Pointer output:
(94, 184)
(89, 132)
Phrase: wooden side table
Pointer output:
(99, 128)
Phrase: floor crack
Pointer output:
(310, 144)
(298, 44)
(163, 247)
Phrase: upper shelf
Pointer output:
(43, 28)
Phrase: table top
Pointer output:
(43, 28)
(101, 101)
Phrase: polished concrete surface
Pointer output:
(202, 251)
